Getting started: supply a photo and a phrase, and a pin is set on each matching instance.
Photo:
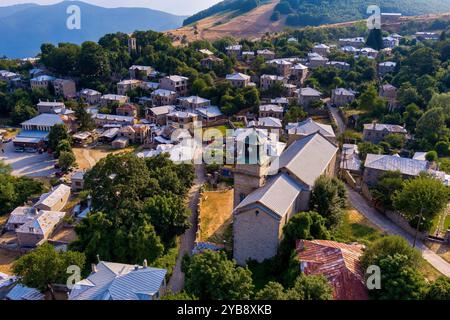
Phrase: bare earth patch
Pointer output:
(66, 235)
(87, 157)
(216, 214)
(7, 259)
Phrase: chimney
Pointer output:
(136, 267)
(98, 258)
(374, 125)
(145, 265)
(94, 268)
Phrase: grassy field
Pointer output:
(216, 213)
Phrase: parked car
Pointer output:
(20, 150)
(30, 150)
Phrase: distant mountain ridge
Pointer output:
(25, 27)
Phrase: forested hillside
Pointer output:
(316, 12)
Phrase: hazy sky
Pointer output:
(181, 7)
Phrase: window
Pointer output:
(257, 212)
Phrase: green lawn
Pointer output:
(447, 223)
(223, 129)
(356, 228)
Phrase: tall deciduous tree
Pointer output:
(424, 197)
(210, 275)
(329, 199)
(310, 288)
(44, 266)
(57, 133)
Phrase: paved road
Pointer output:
(337, 119)
(360, 203)
(176, 282)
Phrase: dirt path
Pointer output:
(336, 117)
(176, 282)
(360, 203)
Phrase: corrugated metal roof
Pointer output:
(308, 158)
(116, 281)
(277, 195)
(20, 292)
(406, 166)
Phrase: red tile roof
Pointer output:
(338, 262)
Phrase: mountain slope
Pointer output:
(212, 23)
(23, 32)
(252, 24)
(316, 12)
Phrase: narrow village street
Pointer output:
(359, 203)
(176, 282)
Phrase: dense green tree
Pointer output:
(116, 178)
(210, 275)
(84, 118)
(168, 215)
(294, 114)
(329, 198)
(368, 147)
(439, 289)
(388, 183)
(310, 288)
(395, 140)
(399, 281)
(44, 266)
(63, 145)
(66, 160)
(58, 133)
(389, 246)
(271, 291)
(304, 225)
(21, 113)
(423, 197)
(375, 39)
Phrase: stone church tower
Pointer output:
(252, 167)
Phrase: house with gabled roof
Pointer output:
(376, 132)
(238, 80)
(271, 110)
(55, 200)
(35, 231)
(338, 262)
(264, 204)
(308, 95)
(117, 281)
(299, 130)
(342, 96)
(377, 164)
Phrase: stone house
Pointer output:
(321, 49)
(179, 84)
(308, 95)
(302, 129)
(376, 132)
(342, 96)
(140, 72)
(271, 110)
(158, 115)
(65, 88)
(238, 80)
(268, 80)
(389, 92)
(113, 98)
(90, 96)
(35, 231)
(128, 110)
(163, 97)
(266, 54)
(124, 86)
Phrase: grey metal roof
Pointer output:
(277, 195)
(406, 166)
(45, 119)
(310, 92)
(308, 158)
(116, 281)
(20, 292)
(309, 126)
(394, 128)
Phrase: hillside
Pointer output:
(252, 24)
(317, 12)
(213, 23)
(24, 29)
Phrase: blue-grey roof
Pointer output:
(308, 158)
(406, 166)
(277, 195)
(20, 292)
(116, 281)
(45, 119)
